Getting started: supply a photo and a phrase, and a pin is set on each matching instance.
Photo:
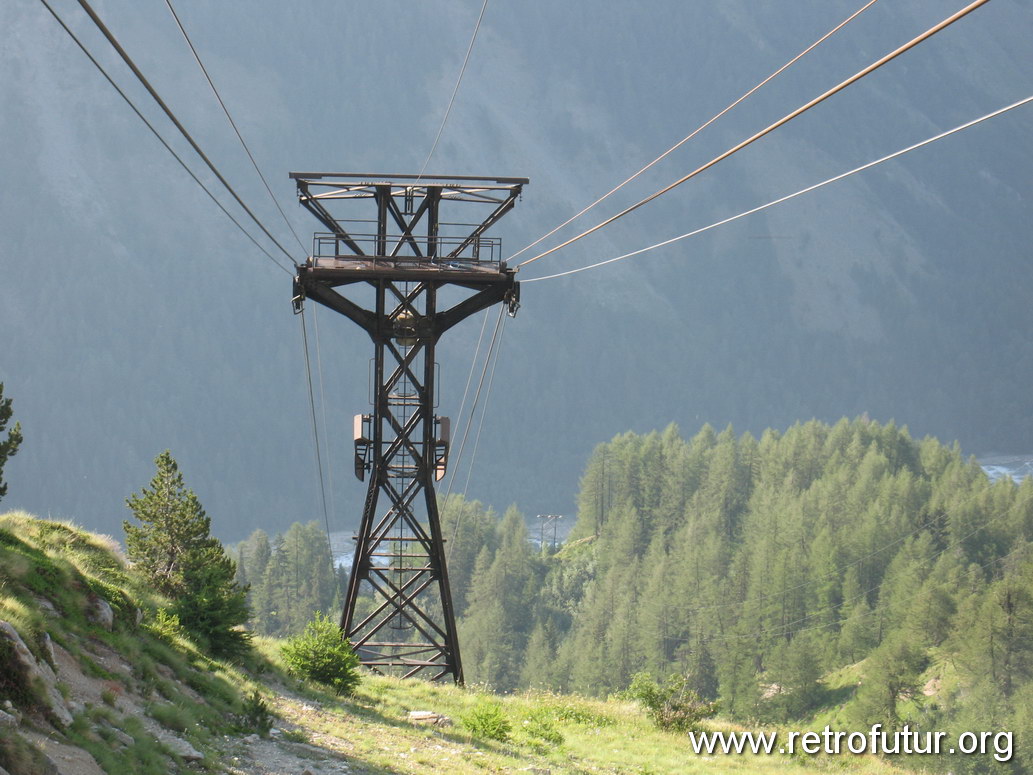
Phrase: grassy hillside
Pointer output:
(96, 679)
(91, 664)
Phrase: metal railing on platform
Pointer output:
(409, 247)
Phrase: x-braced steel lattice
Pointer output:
(409, 627)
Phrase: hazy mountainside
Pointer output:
(137, 319)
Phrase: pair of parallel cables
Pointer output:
(772, 127)
(871, 68)
(113, 41)
(781, 122)
(601, 199)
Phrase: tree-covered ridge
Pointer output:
(758, 566)
(291, 578)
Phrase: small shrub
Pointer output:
(487, 719)
(540, 724)
(256, 716)
(166, 626)
(94, 669)
(174, 717)
(108, 697)
(168, 690)
(216, 688)
(322, 655)
(121, 605)
(18, 755)
(578, 714)
(672, 706)
(296, 736)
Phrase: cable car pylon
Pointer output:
(406, 255)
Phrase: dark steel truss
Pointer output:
(407, 254)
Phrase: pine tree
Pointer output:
(736, 661)
(699, 668)
(257, 553)
(214, 605)
(623, 636)
(273, 594)
(9, 447)
(654, 614)
(795, 673)
(477, 627)
(241, 577)
(476, 530)
(994, 639)
(173, 528)
(174, 547)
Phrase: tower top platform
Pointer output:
(408, 235)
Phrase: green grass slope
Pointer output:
(131, 694)
(139, 696)
(548, 733)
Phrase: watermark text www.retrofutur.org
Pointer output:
(877, 741)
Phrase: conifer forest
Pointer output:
(845, 573)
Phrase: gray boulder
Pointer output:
(38, 672)
(99, 611)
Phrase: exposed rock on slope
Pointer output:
(90, 684)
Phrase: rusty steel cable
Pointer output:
(315, 436)
(452, 99)
(236, 130)
(700, 128)
(469, 421)
(771, 128)
(473, 366)
(795, 194)
(484, 409)
(322, 407)
(315, 321)
(176, 122)
(454, 465)
(160, 139)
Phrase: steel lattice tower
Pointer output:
(406, 256)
